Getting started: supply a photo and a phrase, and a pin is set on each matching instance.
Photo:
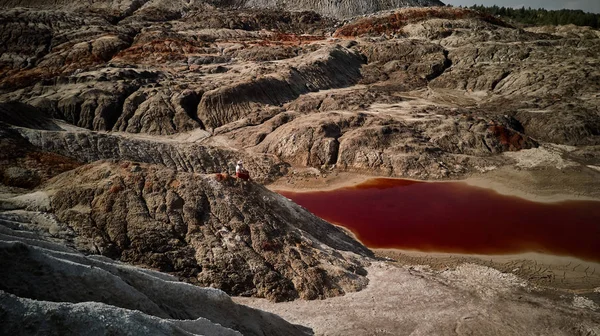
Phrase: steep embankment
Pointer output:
(324, 69)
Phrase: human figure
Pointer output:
(241, 172)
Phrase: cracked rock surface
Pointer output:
(243, 239)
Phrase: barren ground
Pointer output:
(419, 300)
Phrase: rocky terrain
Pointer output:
(121, 122)
(425, 93)
(159, 10)
(210, 231)
(55, 290)
(466, 300)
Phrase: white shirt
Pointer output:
(239, 168)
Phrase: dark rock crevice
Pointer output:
(438, 70)
(499, 79)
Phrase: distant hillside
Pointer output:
(542, 17)
(341, 8)
(332, 8)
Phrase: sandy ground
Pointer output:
(311, 179)
(467, 300)
(563, 273)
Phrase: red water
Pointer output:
(456, 217)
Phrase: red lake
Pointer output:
(458, 218)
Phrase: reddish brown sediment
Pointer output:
(457, 218)
(397, 20)
(294, 38)
(159, 50)
(18, 78)
(512, 140)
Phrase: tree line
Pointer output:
(541, 17)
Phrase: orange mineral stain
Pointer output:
(458, 218)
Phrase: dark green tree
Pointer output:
(542, 16)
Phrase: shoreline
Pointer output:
(544, 270)
(561, 272)
(339, 180)
(333, 181)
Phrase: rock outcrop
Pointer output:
(341, 9)
(185, 157)
(423, 146)
(243, 239)
(395, 22)
(24, 165)
(161, 10)
(325, 69)
(44, 44)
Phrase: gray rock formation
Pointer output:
(89, 318)
(447, 101)
(325, 69)
(43, 44)
(342, 9)
(64, 292)
(185, 157)
(209, 231)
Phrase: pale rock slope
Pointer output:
(47, 288)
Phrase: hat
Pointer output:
(240, 162)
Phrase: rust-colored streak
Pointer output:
(455, 217)
(512, 140)
(398, 20)
(301, 39)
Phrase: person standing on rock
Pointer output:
(241, 172)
